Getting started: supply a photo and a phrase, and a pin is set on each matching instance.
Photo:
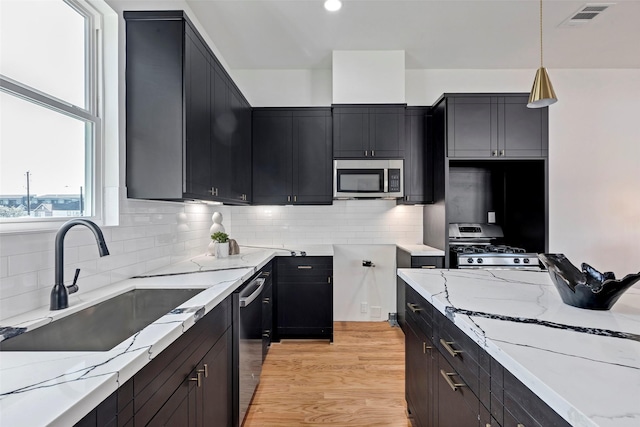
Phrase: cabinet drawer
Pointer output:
(418, 310)
(459, 350)
(427, 262)
(304, 269)
(157, 381)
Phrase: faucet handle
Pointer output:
(74, 288)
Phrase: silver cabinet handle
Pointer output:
(366, 153)
(414, 307)
(502, 152)
(197, 379)
(295, 198)
(288, 198)
(447, 346)
(427, 266)
(305, 267)
(425, 347)
(447, 377)
(373, 153)
(204, 370)
(494, 153)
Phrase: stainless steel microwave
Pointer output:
(375, 179)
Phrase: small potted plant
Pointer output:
(221, 245)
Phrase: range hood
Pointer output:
(368, 77)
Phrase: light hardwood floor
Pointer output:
(356, 381)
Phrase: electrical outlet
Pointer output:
(364, 307)
(376, 311)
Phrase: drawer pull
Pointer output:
(266, 334)
(447, 346)
(414, 307)
(265, 274)
(266, 300)
(428, 266)
(197, 379)
(425, 347)
(520, 425)
(305, 267)
(204, 370)
(447, 377)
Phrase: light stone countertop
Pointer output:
(585, 364)
(421, 250)
(60, 388)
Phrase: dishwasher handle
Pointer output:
(255, 287)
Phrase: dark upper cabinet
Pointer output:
(292, 156)
(418, 170)
(362, 131)
(184, 128)
(498, 126)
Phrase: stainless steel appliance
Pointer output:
(480, 246)
(248, 300)
(372, 179)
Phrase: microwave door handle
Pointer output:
(385, 188)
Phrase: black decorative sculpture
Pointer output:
(587, 288)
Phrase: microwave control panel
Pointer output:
(394, 180)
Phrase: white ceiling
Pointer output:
(435, 34)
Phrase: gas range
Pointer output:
(474, 246)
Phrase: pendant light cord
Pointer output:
(541, 65)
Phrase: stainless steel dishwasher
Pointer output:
(247, 301)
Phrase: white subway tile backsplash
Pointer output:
(152, 235)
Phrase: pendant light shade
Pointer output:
(542, 93)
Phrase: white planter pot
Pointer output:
(221, 250)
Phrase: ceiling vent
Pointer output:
(585, 14)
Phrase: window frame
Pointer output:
(92, 114)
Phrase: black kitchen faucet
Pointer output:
(60, 292)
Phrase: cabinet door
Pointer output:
(522, 131)
(272, 157)
(215, 393)
(418, 181)
(304, 297)
(472, 126)
(419, 374)
(456, 407)
(312, 157)
(350, 132)
(240, 164)
(198, 147)
(181, 408)
(386, 132)
(223, 123)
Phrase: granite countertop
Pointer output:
(421, 250)
(584, 364)
(60, 388)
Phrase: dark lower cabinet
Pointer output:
(267, 310)
(187, 384)
(450, 381)
(457, 405)
(304, 297)
(419, 386)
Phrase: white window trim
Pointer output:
(102, 109)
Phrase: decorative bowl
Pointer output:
(587, 288)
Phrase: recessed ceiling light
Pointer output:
(332, 5)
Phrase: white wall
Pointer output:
(594, 146)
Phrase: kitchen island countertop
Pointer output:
(585, 364)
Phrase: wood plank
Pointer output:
(356, 381)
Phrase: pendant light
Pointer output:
(542, 94)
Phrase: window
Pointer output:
(50, 117)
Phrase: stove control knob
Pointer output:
(526, 260)
(480, 261)
(516, 260)
(470, 260)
